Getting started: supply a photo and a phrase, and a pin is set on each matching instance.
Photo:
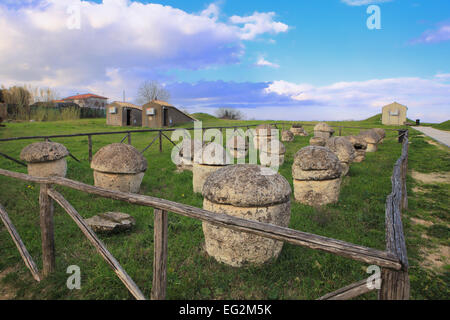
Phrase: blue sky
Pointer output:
(299, 60)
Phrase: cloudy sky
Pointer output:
(282, 60)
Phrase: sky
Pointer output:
(281, 60)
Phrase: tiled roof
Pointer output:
(84, 96)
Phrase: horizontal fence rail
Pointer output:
(393, 261)
(338, 247)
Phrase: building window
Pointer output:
(394, 113)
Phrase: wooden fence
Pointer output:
(393, 260)
(160, 136)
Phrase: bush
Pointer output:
(92, 113)
(229, 114)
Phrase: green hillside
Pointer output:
(442, 126)
(203, 116)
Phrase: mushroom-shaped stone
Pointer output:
(208, 159)
(297, 130)
(323, 130)
(250, 192)
(45, 159)
(360, 147)
(344, 151)
(316, 171)
(381, 133)
(185, 156)
(237, 146)
(287, 136)
(317, 141)
(371, 138)
(271, 154)
(263, 134)
(120, 167)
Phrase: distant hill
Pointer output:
(203, 116)
(442, 126)
(376, 119)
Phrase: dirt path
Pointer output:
(438, 135)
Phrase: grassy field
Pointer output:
(298, 273)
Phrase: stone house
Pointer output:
(157, 114)
(123, 114)
(88, 100)
(394, 114)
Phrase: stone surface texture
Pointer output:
(287, 136)
(323, 130)
(111, 222)
(271, 152)
(119, 158)
(120, 167)
(43, 152)
(317, 176)
(250, 192)
(344, 150)
(238, 146)
(317, 141)
(45, 159)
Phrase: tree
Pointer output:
(152, 90)
(18, 100)
(43, 94)
(229, 114)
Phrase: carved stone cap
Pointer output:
(322, 126)
(315, 163)
(119, 158)
(43, 152)
(246, 185)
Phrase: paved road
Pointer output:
(438, 135)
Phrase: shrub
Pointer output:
(229, 114)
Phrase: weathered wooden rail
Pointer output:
(393, 261)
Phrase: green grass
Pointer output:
(298, 273)
(443, 125)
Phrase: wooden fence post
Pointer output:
(404, 173)
(47, 235)
(340, 131)
(90, 148)
(394, 285)
(160, 141)
(160, 255)
(129, 138)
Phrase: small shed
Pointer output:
(394, 114)
(123, 114)
(157, 114)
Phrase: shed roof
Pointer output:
(126, 104)
(395, 103)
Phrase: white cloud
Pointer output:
(441, 34)
(443, 76)
(132, 38)
(426, 98)
(258, 23)
(363, 2)
(261, 62)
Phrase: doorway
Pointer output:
(128, 117)
(165, 117)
